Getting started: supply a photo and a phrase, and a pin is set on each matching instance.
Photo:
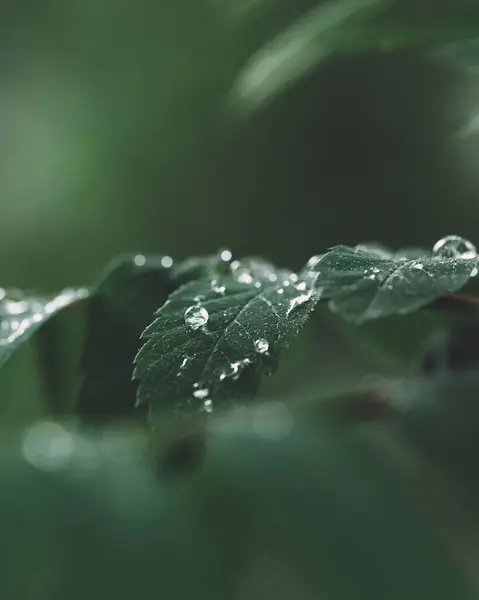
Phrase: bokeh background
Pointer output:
(121, 131)
(155, 127)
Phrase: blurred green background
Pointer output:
(270, 127)
(119, 133)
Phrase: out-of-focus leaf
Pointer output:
(212, 338)
(327, 502)
(21, 317)
(305, 44)
(339, 27)
(363, 284)
(440, 414)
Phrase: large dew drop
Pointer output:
(454, 246)
(261, 346)
(196, 317)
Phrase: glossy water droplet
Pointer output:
(140, 260)
(272, 277)
(280, 291)
(240, 273)
(301, 287)
(196, 317)
(298, 301)
(313, 261)
(257, 284)
(226, 255)
(217, 288)
(201, 394)
(261, 346)
(208, 406)
(454, 246)
(293, 277)
(167, 262)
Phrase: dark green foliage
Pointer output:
(204, 330)
(213, 338)
(365, 283)
(341, 27)
(122, 305)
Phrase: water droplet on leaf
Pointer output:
(313, 261)
(261, 346)
(419, 266)
(167, 262)
(454, 246)
(196, 317)
(201, 394)
(217, 288)
(208, 406)
(240, 273)
(226, 255)
(298, 301)
(139, 260)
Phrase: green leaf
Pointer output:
(363, 283)
(213, 338)
(302, 46)
(130, 291)
(344, 27)
(20, 317)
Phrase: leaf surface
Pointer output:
(363, 284)
(20, 317)
(130, 291)
(213, 338)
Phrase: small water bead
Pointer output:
(298, 301)
(286, 283)
(167, 262)
(272, 277)
(293, 277)
(454, 246)
(140, 260)
(280, 291)
(196, 317)
(301, 287)
(313, 261)
(217, 288)
(208, 406)
(257, 284)
(261, 346)
(240, 273)
(201, 394)
(226, 255)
